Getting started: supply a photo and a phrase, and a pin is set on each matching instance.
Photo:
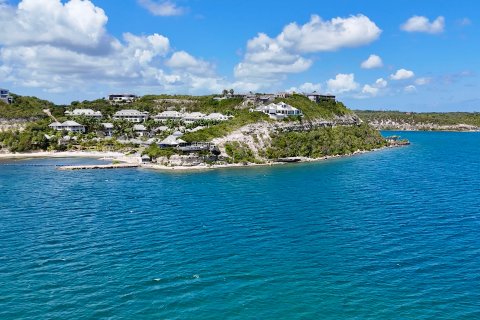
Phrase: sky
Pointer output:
(404, 55)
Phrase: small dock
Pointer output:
(100, 166)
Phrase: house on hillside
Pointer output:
(5, 96)
(70, 126)
(84, 112)
(194, 116)
(131, 116)
(278, 111)
(217, 117)
(317, 97)
(122, 98)
(140, 130)
(107, 129)
(169, 115)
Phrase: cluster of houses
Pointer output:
(278, 111)
(264, 99)
(121, 98)
(138, 118)
(5, 96)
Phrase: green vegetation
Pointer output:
(241, 118)
(325, 142)
(240, 153)
(28, 108)
(442, 119)
(312, 110)
(154, 151)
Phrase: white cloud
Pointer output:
(402, 74)
(162, 8)
(374, 89)
(381, 83)
(307, 87)
(410, 89)
(368, 89)
(184, 61)
(422, 81)
(75, 24)
(59, 46)
(465, 22)
(423, 24)
(372, 62)
(342, 83)
(271, 58)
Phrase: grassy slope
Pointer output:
(450, 118)
(28, 108)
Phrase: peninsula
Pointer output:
(165, 131)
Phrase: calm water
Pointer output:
(393, 234)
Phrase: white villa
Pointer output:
(194, 116)
(70, 126)
(278, 111)
(169, 115)
(140, 130)
(5, 96)
(122, 98)
(217, 117)
(84, 112)
(171, 141)
(131, 115)
(108, 129)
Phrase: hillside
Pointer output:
(326, 128)
(396, 120)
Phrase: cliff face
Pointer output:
(258, 136)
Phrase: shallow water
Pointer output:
(393, 234)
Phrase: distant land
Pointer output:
(413, 121)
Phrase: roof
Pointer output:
(130, 112)
(107, 125)
(172, 141)
(139, 127)
(170, 114)
(54, 124)
(71, 123)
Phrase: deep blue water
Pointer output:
(393, 234)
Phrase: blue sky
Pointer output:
(422, 53)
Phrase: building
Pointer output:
(194, 116)
(122, 98)
(278, 111)
(70, 126)
(169, 115)
(108, 129)
(131, 115)
(140, 130)
(217, 117)
(5, 96)
(171, 141)
(85, 113)
(316, 97)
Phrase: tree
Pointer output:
(232, 92)
(225, 92)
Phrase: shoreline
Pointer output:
(118, 156)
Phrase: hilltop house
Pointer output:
(5, 96)
(278, 111)
(70, 126)
(122, 98)
(316, 97)
(131, 115)
(84, 112)
(172, 140)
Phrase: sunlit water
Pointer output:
(393, 234)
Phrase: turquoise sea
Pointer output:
(393, 234)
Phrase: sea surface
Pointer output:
(392, 234)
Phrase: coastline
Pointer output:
(118, 156)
